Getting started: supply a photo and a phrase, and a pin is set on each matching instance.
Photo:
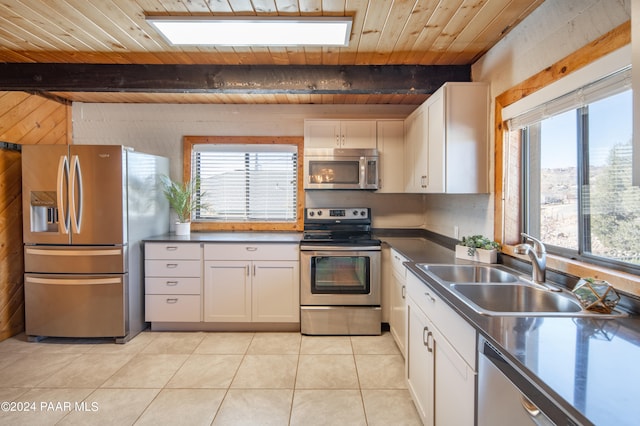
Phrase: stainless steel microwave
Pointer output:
(340, 168)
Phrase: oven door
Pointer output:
(340, 277)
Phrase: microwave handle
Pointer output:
(368, 175)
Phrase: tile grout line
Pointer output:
(355, 363)
(168, 380)
(226, 391)
(295, 381)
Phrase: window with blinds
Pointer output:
(246, 183)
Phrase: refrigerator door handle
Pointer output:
(62, 178)
(76, 209)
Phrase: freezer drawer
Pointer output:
(76, 305)
(76, 259)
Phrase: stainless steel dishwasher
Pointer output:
(506, 398)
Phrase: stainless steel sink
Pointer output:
(515, 299)
(498, 291)
(522, 300)
(469, 273)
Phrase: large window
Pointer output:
(577, 177)
(245, 184)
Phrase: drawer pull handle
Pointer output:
(404, 291)
(172, 265)
(425, 338)
(429, 345)
(172, 283)
(172, 301)
(251, 248)
(433, 299)
(172, 248)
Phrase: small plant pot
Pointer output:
(480, 255)
(183, 228)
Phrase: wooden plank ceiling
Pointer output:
(385, 32)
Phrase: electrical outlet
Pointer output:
(456, 232)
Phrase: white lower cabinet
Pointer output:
(441, 376)
(275, 291)
(419, 361)
(251, 283)
(455, 384)
(397, 301)
(227, 291)
(172, 282)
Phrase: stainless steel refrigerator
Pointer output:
(86, 209)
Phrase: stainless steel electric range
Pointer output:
(339, 273)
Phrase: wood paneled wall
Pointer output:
(24, 119)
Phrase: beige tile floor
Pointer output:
(200, 378)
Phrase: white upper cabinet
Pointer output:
(358, 134)
(415, 151)
(391, 151)
(447, 141)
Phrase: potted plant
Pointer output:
(183, 199)
(478, 248)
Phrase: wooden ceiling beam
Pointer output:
(250, 79)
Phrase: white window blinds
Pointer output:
(246, 183)
(607, 86)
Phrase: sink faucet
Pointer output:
(538, 255)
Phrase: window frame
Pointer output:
(507, 152)
(531, 171)
(187, 149)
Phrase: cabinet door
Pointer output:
(322, 134)
(419, 363)
(415, 152)
(397, 316)
(435, 144)
(391, 152)
(227, 291)
(454, 385)
(360, 134)
(275, 291)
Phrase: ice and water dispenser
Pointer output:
(44, 211)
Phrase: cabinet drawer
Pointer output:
(167, 285)
(172, 308)
(453, 327)
(172, 268)
(397, 261)
(172, 251)
(233, 251)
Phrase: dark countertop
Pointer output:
(587, 366)
(229, 237)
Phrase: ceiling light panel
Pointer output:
(253, 31)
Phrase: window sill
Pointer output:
(622, 281)
(242, 226)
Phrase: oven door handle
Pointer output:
(339, 248)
